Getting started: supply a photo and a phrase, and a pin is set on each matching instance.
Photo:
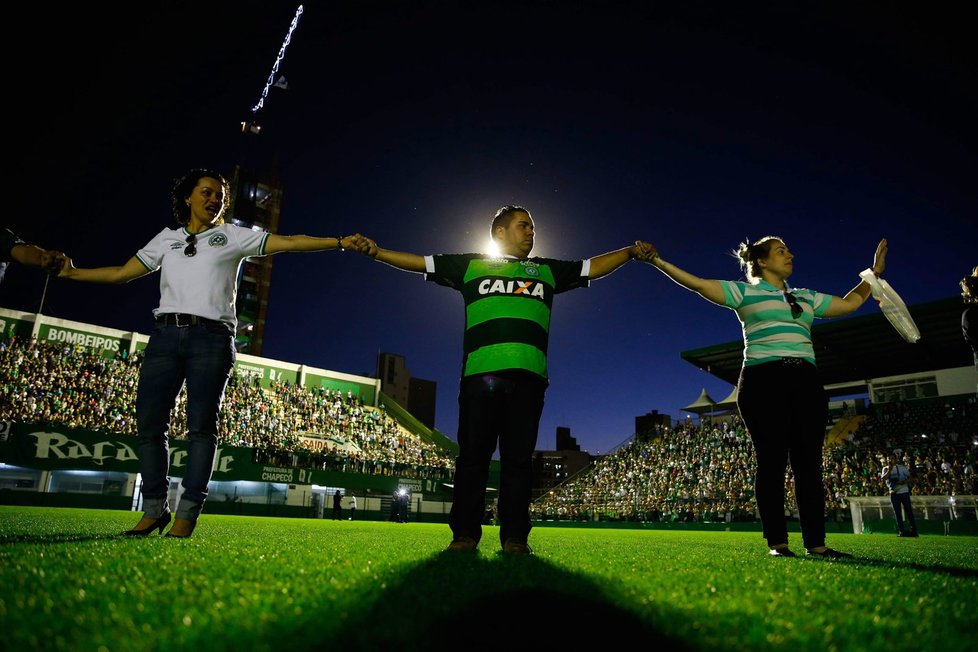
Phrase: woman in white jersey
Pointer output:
(780, 397)
(193, 339)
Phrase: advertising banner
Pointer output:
(106, 345)
(265, 373)
(364, 391)
(10, 327)
(54, 447)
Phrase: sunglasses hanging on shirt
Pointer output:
(792, 300)
(191, 249)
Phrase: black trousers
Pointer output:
(901, 503)
(785, 409)
(501, 408)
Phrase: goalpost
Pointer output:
(929, 508)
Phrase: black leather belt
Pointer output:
(181, 320)
(793, 361)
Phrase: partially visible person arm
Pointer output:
(133, 269)
(33, 256)
(400, 259)
(277, 243)
(13, 248)
(841, 306)
(709, 289)
(607, 263)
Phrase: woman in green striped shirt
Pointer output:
(780, 396)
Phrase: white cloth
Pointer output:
(893, 307)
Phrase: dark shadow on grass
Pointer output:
(54, 537)
(953, 571)
(464, 601)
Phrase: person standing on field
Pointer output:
(337, 505)
(898, 478)
(508, 297)
(779, 394)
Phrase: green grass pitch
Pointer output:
(69, 582)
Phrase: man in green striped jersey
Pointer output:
(508, 298)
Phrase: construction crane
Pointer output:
(252, 125)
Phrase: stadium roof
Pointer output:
(704, 403)
(856, 349)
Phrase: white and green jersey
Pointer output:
(205, 284)
(770, 332)
(507, 306)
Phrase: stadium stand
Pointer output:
(702, 473)
(692, 473)
(72, 385)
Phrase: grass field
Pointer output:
(68, 582)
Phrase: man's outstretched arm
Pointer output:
(607, 263)
(400, 259)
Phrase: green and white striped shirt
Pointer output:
(770, 332)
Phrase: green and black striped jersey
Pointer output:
(507, 306)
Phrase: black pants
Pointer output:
(785, 409)
(503, 408)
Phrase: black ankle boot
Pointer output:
(182, 528)
(158, 524)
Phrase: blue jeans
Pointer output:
(202, 356)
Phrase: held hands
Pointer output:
(52, 261)
(643, 251)
(363, 245)
(879, 260)
(30, 255)
(65, 266)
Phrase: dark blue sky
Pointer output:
(692, 125)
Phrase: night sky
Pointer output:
(692, 125)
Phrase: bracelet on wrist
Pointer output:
(339, 244)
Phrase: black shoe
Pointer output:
(158, 524)
(828, 553)
(462, 544)
(781, 552)
(516, 547)
(913, 533)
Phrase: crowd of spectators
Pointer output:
(286, 424)
(704, 472)
(687, 473)
(693, 472)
